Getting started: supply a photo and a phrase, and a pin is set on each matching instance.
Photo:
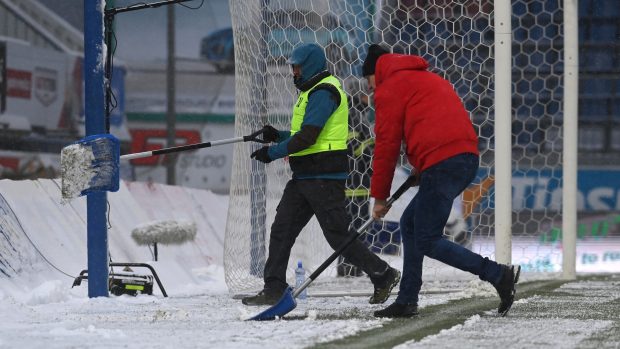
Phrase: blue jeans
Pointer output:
(423, 222)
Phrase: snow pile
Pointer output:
(53, 291)
(76, 170)
(41, 257)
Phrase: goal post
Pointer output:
(96, 203)
(569, 169)
(503, 131)
(459, 39)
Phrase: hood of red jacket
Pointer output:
(391, 63)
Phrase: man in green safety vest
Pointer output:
(316, 145)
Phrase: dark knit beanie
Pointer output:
(374, 52)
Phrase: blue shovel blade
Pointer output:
(283, 307)
(90, 165)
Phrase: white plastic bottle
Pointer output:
(300, 278)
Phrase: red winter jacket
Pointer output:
(421, 108)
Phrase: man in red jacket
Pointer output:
(422, 109)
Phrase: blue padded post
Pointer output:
(97, 235)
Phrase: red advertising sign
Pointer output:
(147, 140)
(19, 83)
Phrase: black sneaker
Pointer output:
(384, 285)
(263, 298)
(398, 310)
(506, 288)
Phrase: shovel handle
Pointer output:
(253, 137)
(399, 192)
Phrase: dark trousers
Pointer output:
(424, 219)
(301, 200)
(358, 208)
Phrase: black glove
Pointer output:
(261, 155)
(270, 134)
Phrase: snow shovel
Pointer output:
(287, 301)
(92, 163)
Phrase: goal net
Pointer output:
(457, 39)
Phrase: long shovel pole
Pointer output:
(144, 154)
(403, 188)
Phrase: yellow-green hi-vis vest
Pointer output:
(334, 134)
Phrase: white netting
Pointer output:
(457, 39)
(537, 85)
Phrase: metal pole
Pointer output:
(171, 96)
(142, 6)
(258, 179)
(2, 77)
(569, 166)
(96, 203)
(503, 132)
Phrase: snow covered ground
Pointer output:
(52, 315)
(576, 315)
(40, 309)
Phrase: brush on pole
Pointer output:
(92, 163)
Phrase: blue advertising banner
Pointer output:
(598, 189)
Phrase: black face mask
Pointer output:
(306, 85)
